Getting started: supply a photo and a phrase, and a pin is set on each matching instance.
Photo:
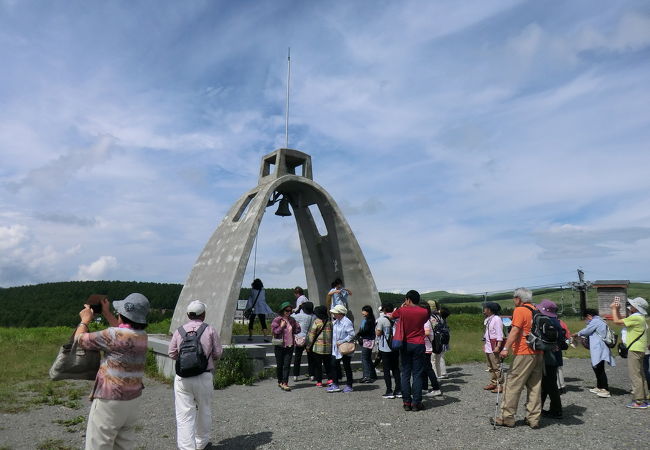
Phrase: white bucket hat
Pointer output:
(339, 309)
(640, 304)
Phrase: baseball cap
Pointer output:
(197, 307)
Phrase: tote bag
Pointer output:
(75, 363)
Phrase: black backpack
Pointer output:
(440, 335)
(192, 360)
(544, 334)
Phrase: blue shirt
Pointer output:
(385, 326)
(342, 331)
(596, 329)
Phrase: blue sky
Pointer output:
(474, 146)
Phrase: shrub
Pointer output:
(234, 368)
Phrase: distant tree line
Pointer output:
(58, 304)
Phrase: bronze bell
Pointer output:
(283, 208)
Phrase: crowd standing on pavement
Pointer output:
(409, 340)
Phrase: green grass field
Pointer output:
(27, 353)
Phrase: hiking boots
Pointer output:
(500, 423)
(489, 387)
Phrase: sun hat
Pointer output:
(433, 305)
(284, 305)
(134, 307)
(196, 307)
(640, 304)
(339, 309)
(548, 308)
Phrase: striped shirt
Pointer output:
(122, 367)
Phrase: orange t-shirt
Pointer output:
(522, 318)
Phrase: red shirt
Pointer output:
(411, 324)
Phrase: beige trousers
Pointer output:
(525, 371)
(111, 424)
(494, 365)
(635, 369)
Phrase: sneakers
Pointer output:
(333, 388)
(295, 378)
(443, 377)
(319, 384)
(330, 382)
(388, 394)
(636, 405)
(407, 407)
(489, 387)
(285, 387)
(497, 390)
(347, 389)
(534, 426)
(604, 394)
(419, 406)
(312, 378)
(433, 393)
(597, 390)
(398, 394)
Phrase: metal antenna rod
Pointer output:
(286, 121)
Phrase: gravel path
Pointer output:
(263, 416)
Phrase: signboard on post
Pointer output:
(241, 305)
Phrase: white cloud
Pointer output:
(12, 236)
(98, 269)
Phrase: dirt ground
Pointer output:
(262, 416)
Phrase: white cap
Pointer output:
(339, 309)
(197, 307)
(640, 304)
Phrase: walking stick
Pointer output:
(496, 408)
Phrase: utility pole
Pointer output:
(581, 286)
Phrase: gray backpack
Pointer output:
(192, 360)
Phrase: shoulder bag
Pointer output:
(300, 341)
(624, 349)
(75, 363)
(249, 311)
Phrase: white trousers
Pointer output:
(439, 366)
(193, 399)
(111, 424)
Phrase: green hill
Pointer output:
(58, 304)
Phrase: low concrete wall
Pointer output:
(159, 343)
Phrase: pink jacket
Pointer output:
(209, 340)
(288, 332)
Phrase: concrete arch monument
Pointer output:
(217, 275)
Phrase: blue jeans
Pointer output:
(412, 357)
(367, 363)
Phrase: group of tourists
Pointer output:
(537, 339)
(410, 341)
